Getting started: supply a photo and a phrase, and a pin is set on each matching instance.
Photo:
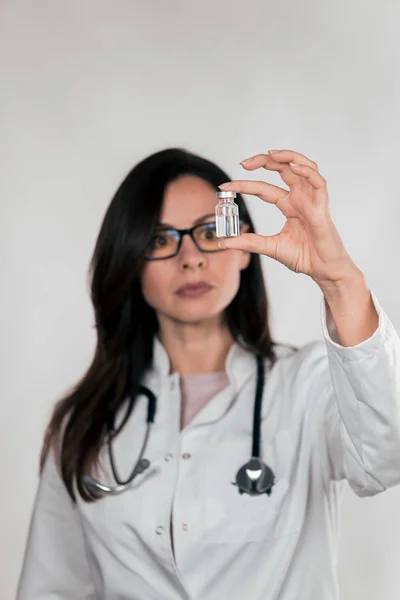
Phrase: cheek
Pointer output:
(231, 262)
(229, 270)
(154, 280)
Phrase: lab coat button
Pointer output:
(160, 530)
(185, 526)
(168, 456)
(186, 456)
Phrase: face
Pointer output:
(187, 201)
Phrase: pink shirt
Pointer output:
(197, 389)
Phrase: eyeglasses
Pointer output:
(167, 241)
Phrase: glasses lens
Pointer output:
(163, 244)
(206, 236)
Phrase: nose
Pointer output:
(189, 254)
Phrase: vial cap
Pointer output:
(226, 195)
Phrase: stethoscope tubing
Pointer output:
(142, 464)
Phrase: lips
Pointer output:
(194, 287)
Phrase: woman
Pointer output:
(330, 410)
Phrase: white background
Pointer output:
(88, 88)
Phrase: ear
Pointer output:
(245, 256)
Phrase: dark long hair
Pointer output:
(125, 322)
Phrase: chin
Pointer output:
(192, 312)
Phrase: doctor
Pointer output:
(330, 410)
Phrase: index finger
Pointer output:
(288, 156)
(266, 191)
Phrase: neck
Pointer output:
(203, 352)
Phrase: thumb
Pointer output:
(252, 242)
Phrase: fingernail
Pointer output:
(247, 160)
(293, 165)
(272, 151)
(220, 244)
(223, 185)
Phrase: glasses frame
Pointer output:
(189, 231)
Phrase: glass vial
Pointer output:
(227, 215)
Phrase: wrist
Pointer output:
(352, 283)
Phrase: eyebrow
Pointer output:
(199, 220)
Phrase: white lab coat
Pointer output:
(330, 414)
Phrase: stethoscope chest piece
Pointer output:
(255, 478)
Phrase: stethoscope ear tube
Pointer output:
(90, 482)
(142, 463)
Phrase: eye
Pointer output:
(157, 241)
(208, 231)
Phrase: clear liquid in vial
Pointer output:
(227, 226)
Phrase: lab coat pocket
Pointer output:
(238, 518)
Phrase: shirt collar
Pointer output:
(239, 364)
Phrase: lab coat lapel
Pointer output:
(240, 365)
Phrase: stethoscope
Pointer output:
(254, 478)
